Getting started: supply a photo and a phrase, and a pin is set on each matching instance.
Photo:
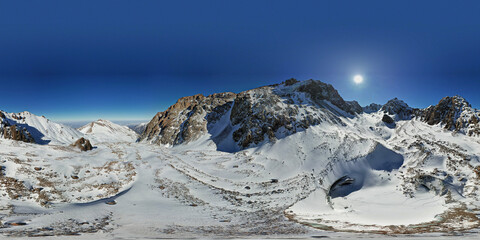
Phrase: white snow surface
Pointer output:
(193, 190)
(138, 127)
(43, 130)
(107, 131)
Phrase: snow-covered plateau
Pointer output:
(292, 160)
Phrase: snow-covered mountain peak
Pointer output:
(318, 92)
(454, 113)
(372, 107)
(398, 108)
(103, 130)
(237, 121)
(457, 102)
(41, 129)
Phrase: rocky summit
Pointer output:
(290, 159)
(250, 117)
(10, 130)
(266, 114)
(454, 113)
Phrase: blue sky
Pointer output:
(126, 60)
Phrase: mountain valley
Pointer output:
(292, 159)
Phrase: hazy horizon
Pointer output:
(125, 113)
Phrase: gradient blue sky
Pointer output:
(125, 60)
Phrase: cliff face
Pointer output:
(250, 117)
(454, 113)
(318, 92)
(373, 107)
(36, 129)
(14, 132)
(187, 119)
(398, 108)
(238, 121)
(273, 112)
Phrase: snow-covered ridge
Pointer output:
(106, 131)
(266, 114)
(41, 129)
(398, 108)
(249, 118)
(138, 128)
(453, 113)
(308, 156)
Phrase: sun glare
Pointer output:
(358, 79)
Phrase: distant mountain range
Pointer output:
(265, 114)
(237, 121)
(277, 159)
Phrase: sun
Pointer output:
(358, 79)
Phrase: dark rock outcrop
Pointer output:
(290, 81)
(454, 114)
(373, 107)
(398, 108)
(387, 119)
(14, 132)
(186, 120)
(250, 117)
(268, 113)
(319, 91)
(83, 144)
(447, 112)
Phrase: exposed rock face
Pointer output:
(387, 119)
(319, 91)
(36, 129)
(83, 144)
(373, 107)
(290, 81)
(14, 132)
(398, 108)
(268, 113)
(455, 113)
(186, 120)
(250, 117)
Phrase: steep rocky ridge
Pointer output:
(13, 132)
(454, 113)
(238, 121)
(265, 114)
(373, 107)
(32, 128)
(186, 119)
(398, 108)
(106, 131)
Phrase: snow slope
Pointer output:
(106, 131)
(42, 129)
(137, 190)
(138, 127)
(315, 170)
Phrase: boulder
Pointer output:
(387, 119)
(83, 144)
